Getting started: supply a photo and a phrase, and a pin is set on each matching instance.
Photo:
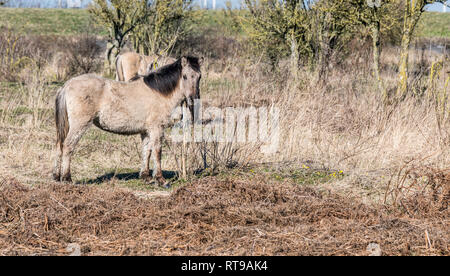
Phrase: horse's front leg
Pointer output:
(156, 137)
(146, 152)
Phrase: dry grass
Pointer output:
(420, 190)
(207, 217)
(344, 123)
(342, 126)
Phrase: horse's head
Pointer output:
(190, 77)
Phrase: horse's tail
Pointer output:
(61, 117)
(119, 69)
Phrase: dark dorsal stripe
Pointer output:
(165, 79)
(135, 78)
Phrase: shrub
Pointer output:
(82, 53)
(15, 54)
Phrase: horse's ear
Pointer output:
(184, 62)
(201, 61)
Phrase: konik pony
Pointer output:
(140, 106)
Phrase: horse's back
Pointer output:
(146, 64)
(85, 91)
(130, 64)
(87, 81)
(154, 62)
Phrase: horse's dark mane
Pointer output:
(165, 79)
(194, 63)
(135, 78)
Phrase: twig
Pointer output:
(60, 204)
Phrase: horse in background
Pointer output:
(130, 65)
(141, 106)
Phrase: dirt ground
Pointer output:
(212, 216)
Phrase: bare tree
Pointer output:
(412, 15)
(163, 27)
(120, 17)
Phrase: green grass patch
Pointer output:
(301, 175)
(222, 84)
(78, 21)
(219, 20)
(7, 89)
(48, 21)
(434, 25)
(307, 176)
(21, 110)
(9, 85)
(96, 134)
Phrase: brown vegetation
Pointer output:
(58, 57)
(208, 217)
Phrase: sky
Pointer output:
(83, 3)
(437, 7)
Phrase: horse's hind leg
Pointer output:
(146, 152)
(160, 180)
(76, 131)
(57, 165)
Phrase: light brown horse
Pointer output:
(130, 65)
(141, 106)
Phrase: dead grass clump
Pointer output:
(206, 217)
(15, 55)
(421, 191)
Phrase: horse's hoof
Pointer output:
(146, 177)
(167, 186)
(149, 180)
(66, 178)
(56, 177)
(161, 181)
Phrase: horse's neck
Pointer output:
(176, 98)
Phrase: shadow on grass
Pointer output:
(169, 175)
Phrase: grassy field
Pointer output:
(350, 169)
(75, 21)
(78, 21)
(434, 25)
(47, 21)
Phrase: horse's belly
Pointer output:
(120, 123)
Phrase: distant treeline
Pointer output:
(85, 3)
